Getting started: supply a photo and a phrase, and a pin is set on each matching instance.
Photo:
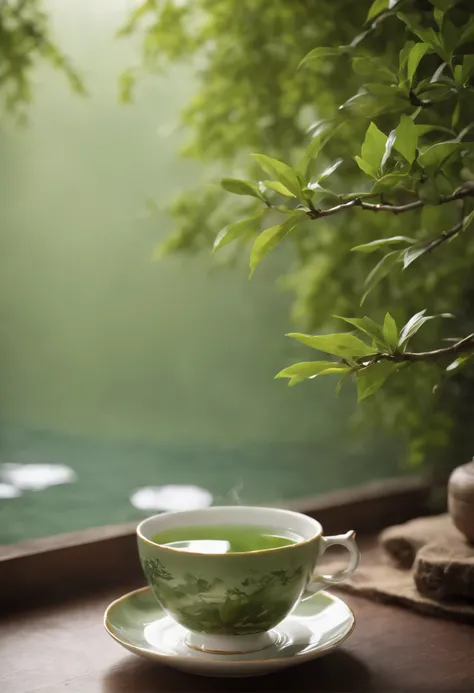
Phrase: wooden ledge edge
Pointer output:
(60, 566)
(411, 488)
(67, 540)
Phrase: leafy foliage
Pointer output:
(380, 161)
(25, 39)
(372, 364)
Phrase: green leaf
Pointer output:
(320, 126)
(411, 327)
(320, 139)
(359, 38)
(296, 380)
(369, 102)
(381, 269)
(278, 187)
(390, 331)
(403, 58)
(406, 140)
(344, 344)
(373, 147)
(464, 132)
(280, 171)
(376, 8)
(321, 52)
(438, 76)
(467, 34)
(438, 14)
(467, 67)
(414, 59)
(386, 93)
(319, 191)
(412, 254)
(458, 76)
(371, 378)
(467, 221)
(241, 187)
(388, 149)
(362, 96)
(389, 182)
(457, 363)
(414, 324)
(329, 170)
(456, 113)
(437, 91)
(381, 243)
(450, 36)
(335, 369)
(426, 34)
(342, 380)
(265, 243)
(373, 68)
(368, 326)
(270, 238)
(428, 191)
(233, 231)
(424, 129)
(365, 167)
(444, 4)
(311, 369)
(433, 157)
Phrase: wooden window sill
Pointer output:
(54, 592)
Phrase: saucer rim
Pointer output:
(240, 662)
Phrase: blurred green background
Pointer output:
(132, 372)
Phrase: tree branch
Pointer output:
(462, 193)
(464, 346)
(444, 236)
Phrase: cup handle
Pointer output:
(319, 582)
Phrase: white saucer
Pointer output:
(317, 625)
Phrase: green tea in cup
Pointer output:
(229, 575)
(225, 538)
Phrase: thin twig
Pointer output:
(464, 346)
(442, 238)
(393, 209)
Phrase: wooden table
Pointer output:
(53, 593)
(65, 649)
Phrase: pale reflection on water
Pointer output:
(34, 477)
(201, 546)
(171, 497)
(15, 478)
(9, 491)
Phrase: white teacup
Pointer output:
(230, 602)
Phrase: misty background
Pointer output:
(128, 372)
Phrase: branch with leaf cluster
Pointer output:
(408, 172)
(465, 191)
(462, 346)
(373, 363)
(25, 39)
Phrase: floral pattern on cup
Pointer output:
(212, 607)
